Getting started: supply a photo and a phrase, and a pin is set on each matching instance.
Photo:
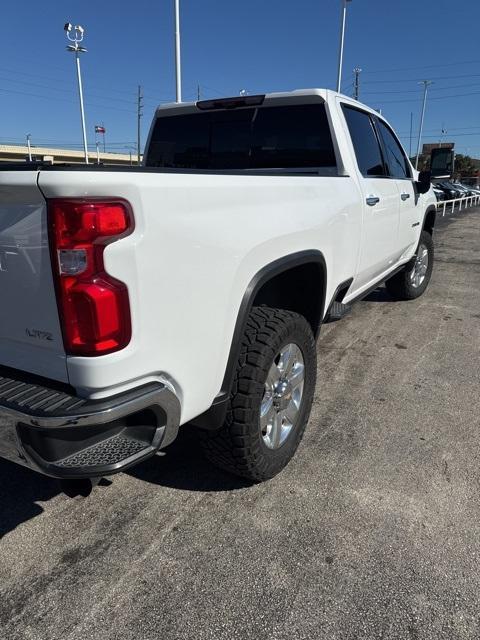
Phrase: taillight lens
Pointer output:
(94, 307)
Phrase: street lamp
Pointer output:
(342, 39)
(29, 135)
(75, 34)
(425, 87)
(178, 66)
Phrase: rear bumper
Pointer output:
(59, 434)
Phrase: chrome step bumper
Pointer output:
(50, 429)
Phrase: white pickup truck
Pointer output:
(192, 289)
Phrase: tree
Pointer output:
(464, 165)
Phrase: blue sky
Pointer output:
(227, 45)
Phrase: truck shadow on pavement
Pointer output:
(380, 294)
(20, 490)
(183, 466)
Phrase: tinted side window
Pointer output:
(296, 136)
(365, 143)
(181, 142)
(283, 137)
(396, 160)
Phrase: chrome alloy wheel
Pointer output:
(282, 397)
(419, 271)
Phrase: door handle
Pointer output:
(372, 200)
(405, 196)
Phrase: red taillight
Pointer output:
(94, 307)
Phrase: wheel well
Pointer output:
(429, 222)
(300, 288)
(296, 283)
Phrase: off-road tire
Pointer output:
(400, 286)
(238, 447)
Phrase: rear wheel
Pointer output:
(271, 397)
(413, 280)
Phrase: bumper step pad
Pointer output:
(108, 452)
(36, 399)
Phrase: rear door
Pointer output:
(400, 171)
(30, 334)
(381, 209)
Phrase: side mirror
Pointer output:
(424, 181)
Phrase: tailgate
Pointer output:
(30, 334)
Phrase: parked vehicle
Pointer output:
(465, 191)
(450, 190)
(469, 190)
(439, 193)
(193, 289)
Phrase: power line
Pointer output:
(57, 79)
(404, 133)
(409, 80)
(430, 66)
(63, 90)
(402, 91)
(453, 135)
(457, 95)
(91, 104)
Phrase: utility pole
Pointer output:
(29, 135)
(342, 39)
(411, 130)
(75, 35)
(97, 145)
(139, 116)
(356, 84)
(198, 93)
(444, 131)
(178, 66)
(425, 83)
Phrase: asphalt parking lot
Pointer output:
(373, 531)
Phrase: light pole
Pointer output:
(75, 35)
(178, 66)
(411, 129)
(444, 132)
(139, 117)
(342, 39)
(356, 85)
(130, 148)
(29, 135)
(425, 86)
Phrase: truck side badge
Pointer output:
(39, 335)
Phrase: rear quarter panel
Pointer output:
(198, 242)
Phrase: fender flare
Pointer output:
(214, 417)
(429, 209)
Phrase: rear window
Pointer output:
(284, 137)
